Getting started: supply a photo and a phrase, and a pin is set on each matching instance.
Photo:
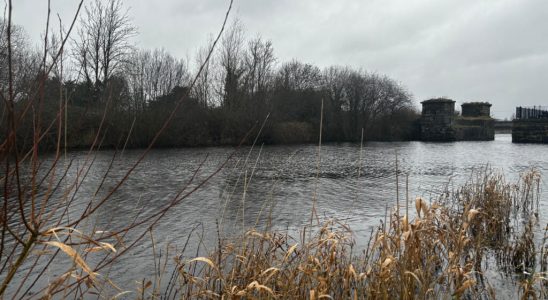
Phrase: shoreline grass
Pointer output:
(440, 253)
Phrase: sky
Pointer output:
(467, 50)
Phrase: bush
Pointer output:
(293, 132)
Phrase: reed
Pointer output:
(440, 253)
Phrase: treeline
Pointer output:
(105, 91)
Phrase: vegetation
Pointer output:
(101, 78)
(441, 252)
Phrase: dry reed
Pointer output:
(441, 253)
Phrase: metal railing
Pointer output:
(534, 112)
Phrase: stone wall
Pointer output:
(475, 129)
(476, 109)
(437, 120)
(530, 131)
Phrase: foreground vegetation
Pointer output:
(441, 253)
(445, 248)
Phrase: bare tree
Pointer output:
(103, 42)
(24, 61)
(259, 64)
(151, 74)
(164, 73)
(368, 98)
(296, 75)
(231, 60)
(135, 76)
(203, 89)
(334, 80)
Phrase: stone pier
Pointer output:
(530, 125)
(439, 122)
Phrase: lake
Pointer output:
(278, 184)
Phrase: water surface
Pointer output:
(280, 184)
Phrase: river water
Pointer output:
(279, 183)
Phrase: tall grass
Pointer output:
(442, 252)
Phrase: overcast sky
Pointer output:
(468, 50)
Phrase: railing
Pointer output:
(535, 112)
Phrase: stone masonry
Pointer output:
(440, 123)
(530, 131)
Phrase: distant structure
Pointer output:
(528, 113)
(530, 125)
(476, 109)
(439, 122)
(475, 122)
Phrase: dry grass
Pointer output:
(441, 253)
